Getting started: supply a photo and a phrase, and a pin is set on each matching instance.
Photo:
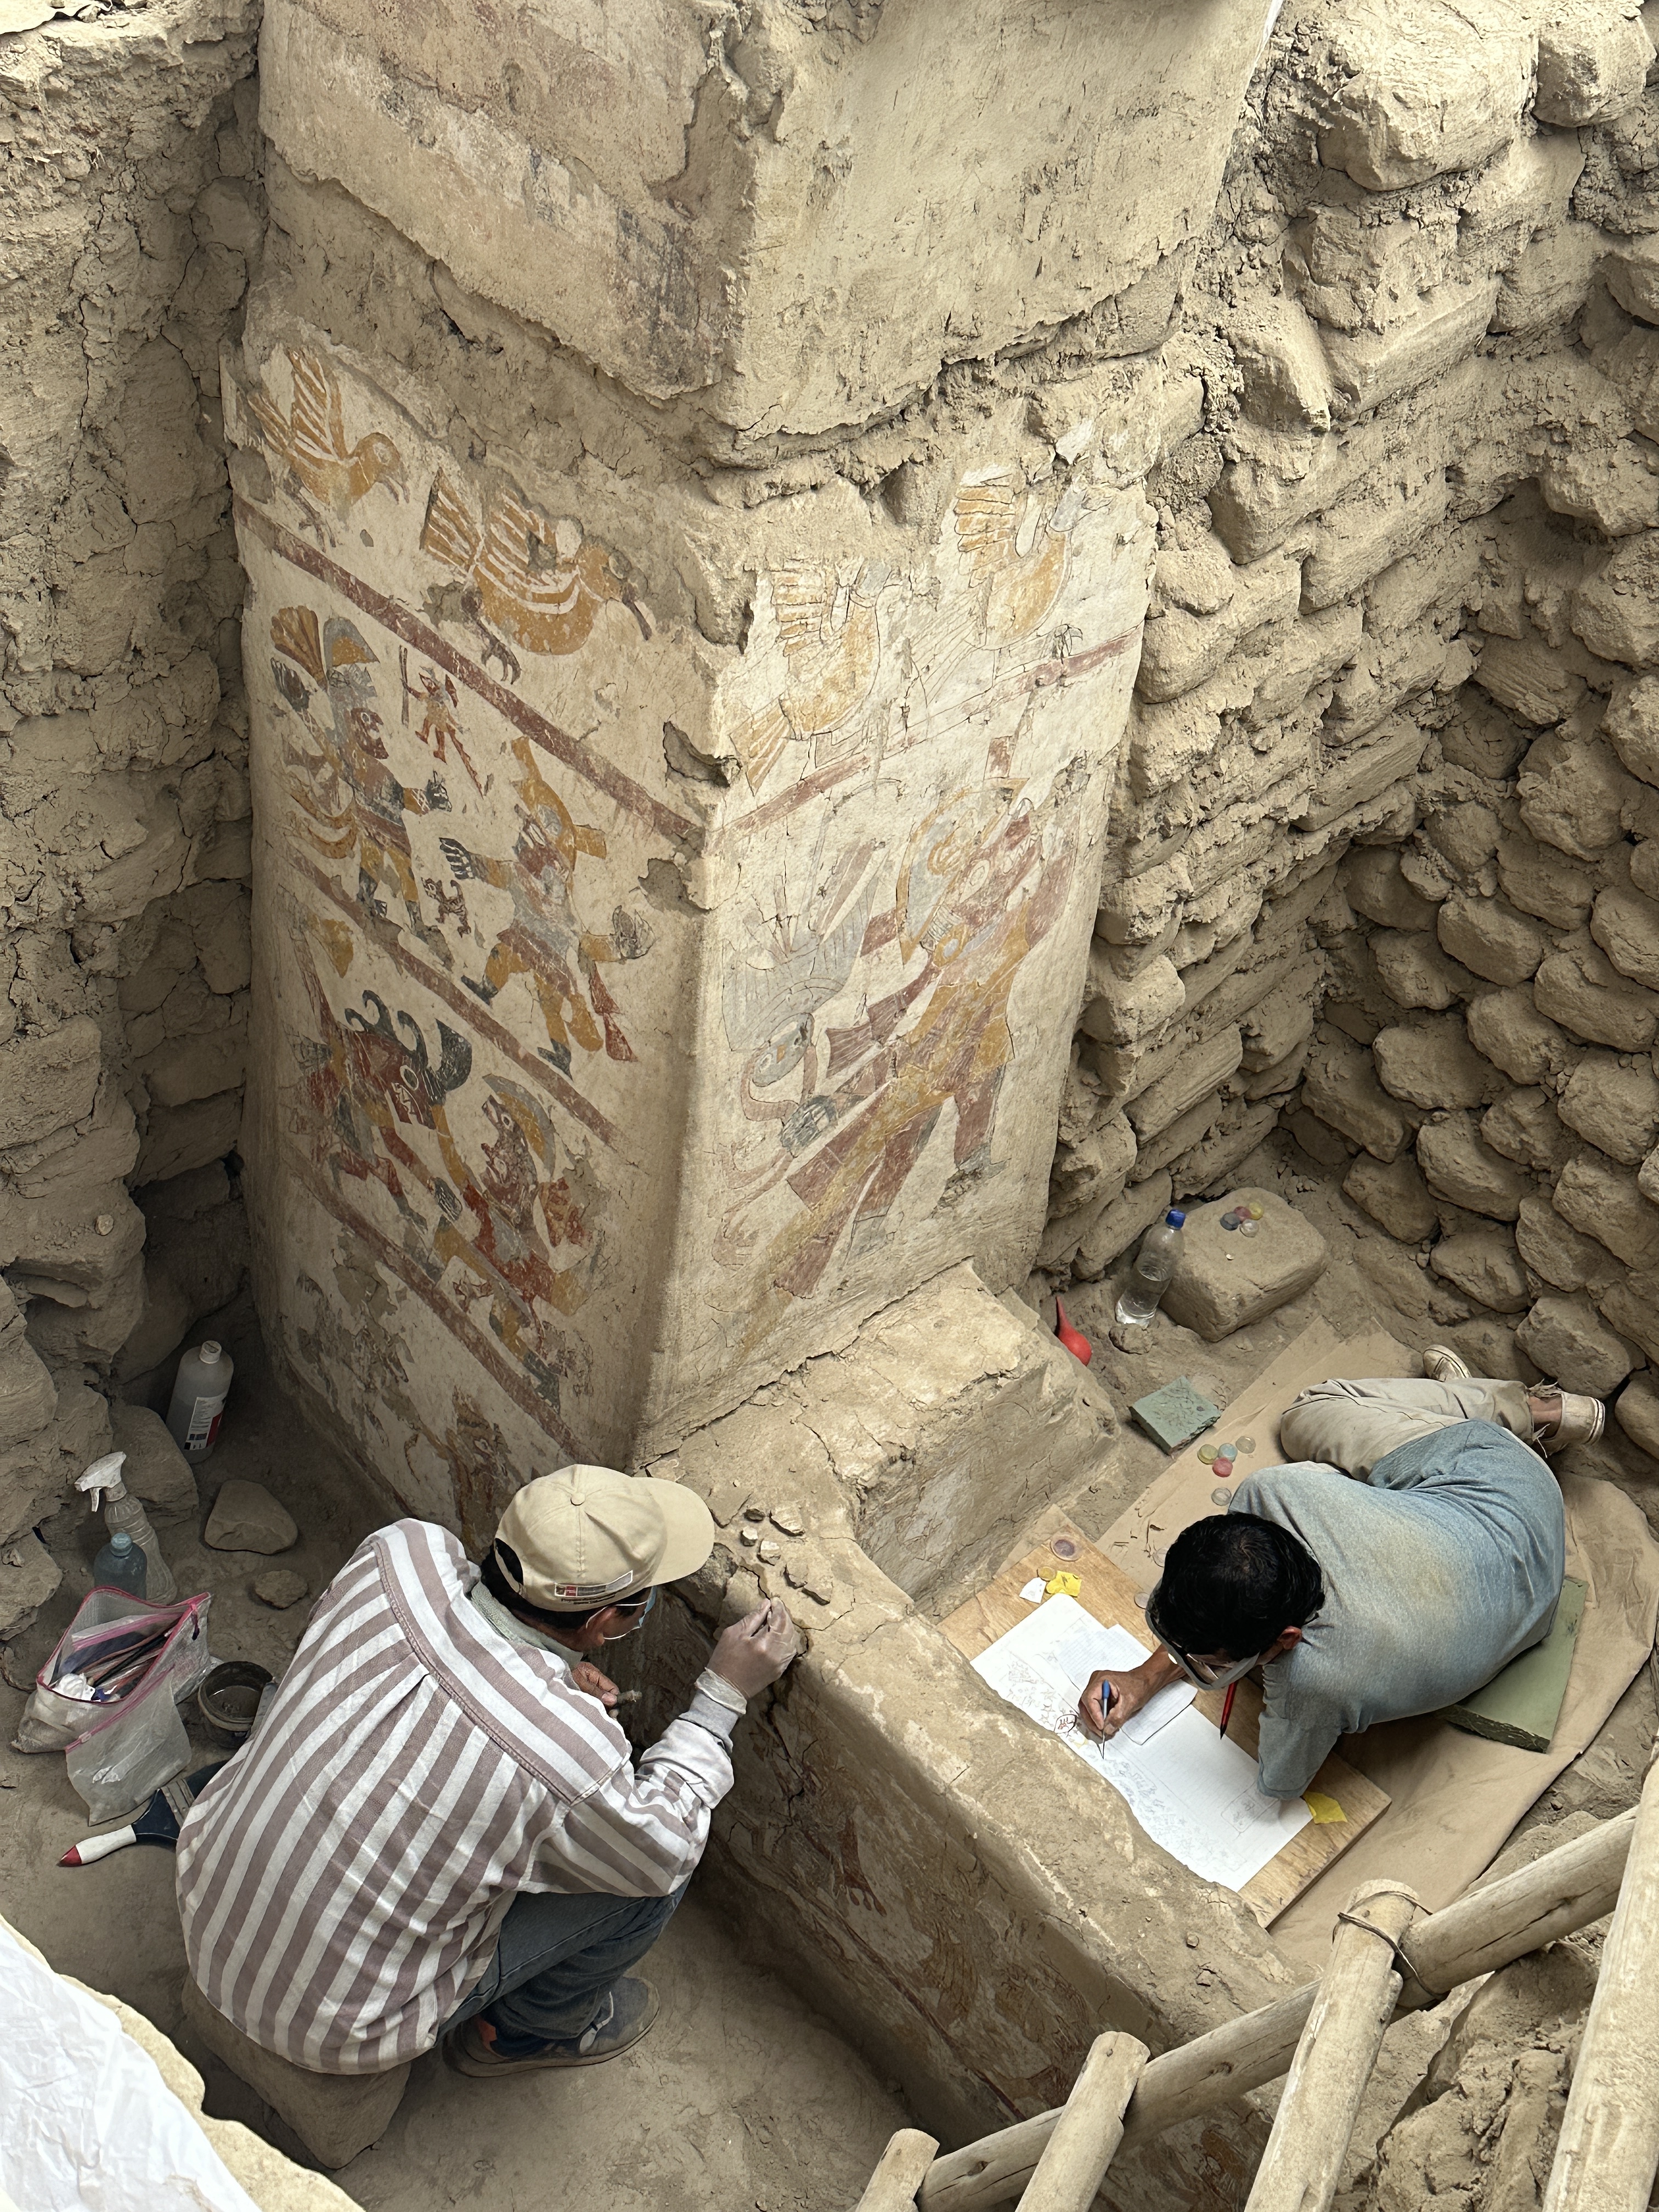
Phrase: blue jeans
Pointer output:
(556, 1959)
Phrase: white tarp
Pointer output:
(87, 2123)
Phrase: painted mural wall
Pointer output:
(636, 1016)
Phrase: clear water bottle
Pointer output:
(121, 1566)
(1153, 1271)
(197, 1405)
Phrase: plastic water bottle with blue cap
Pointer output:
(1153, 1271)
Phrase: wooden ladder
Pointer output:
(1387, 1956)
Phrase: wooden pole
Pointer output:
(1608, 2151)
(1566, 1888)
(1333, 2059)
(897, 2176)
(1089, 2130)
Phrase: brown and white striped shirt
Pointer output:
(344, 1879)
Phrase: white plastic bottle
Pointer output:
(1153, 1271)
(198, 1399)
(124, 1516)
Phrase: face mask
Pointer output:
(636, 1625)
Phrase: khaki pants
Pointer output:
(1352, 1424)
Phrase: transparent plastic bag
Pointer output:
(123, 1744)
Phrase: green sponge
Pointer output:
(1523, 1704)
(1175, 1414)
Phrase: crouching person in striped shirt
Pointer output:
(438, 1830)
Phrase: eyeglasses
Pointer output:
(1202, 1676)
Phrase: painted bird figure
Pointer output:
(520, 584)
(1021, 584)
(312, 440)
(832, 638)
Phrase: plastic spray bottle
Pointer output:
(197, 1405)
(124, 1516)
(1154, 1270)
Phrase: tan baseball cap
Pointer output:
(591, 1536)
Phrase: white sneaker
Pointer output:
(1442, 1364)
(1582, 1421)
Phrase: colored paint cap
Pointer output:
(1206, 1453)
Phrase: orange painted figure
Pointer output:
(975, 893)
(366, 803)
(523, 1211)
(546, 940)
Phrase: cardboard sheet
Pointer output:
(1193, 1791)
(1454, 1797)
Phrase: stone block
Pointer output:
(1631, 270)
(1631, 726)
(48, 1079)
(1092, 1172)
(1614, 1105)
(1364, 774)
(1457, 1166)
(1419, 91)
(1566, 1338)
(1489, 938)
(1632, 1307)
(1607, 1204)
(1525, 1128)
(1226, 1281)
(1133, 909)
(185, 1069)
(1119, 1226)
(178, 1138)
(335, 2115)
(1527, 679)
(1369, 367)
(1375, 887)
(163, 1318)
(1541, 881)
(1278, 1024)
(1507, 1028)
(29, 1576)
(1550, 283)
(1609, 486)
(1432, 1065)
(28, 1397)
(1560, 1253)
(1367, 532)
(1484, 1265)
(1636, 1411)
(1178, 1136)
(1281, 1077)
(1395, 1196)
(1573, 793)
(1626, 926)
(1578, 987)
(1286, 380)
(1341, 1090)
(1236, 1134)
(1414, 971)
(1480, 739)
(1617, 613)
(1465, 835)
(1592, 63)
(245, 1517)
(156, 1471)
(1116, 1011)
(1198, 1074)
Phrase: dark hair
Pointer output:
(562, 1625)
(1231, 1582)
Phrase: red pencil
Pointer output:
(1227, 1705)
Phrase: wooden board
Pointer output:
(1184, 1492)
(1109, 1594)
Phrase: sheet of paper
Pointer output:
(1192, 1789)
(1158, 1711)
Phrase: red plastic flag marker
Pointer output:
(1078, 1346)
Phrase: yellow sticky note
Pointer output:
(1325, 1810)
(1065, 1585)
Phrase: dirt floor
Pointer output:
(741, 2096)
